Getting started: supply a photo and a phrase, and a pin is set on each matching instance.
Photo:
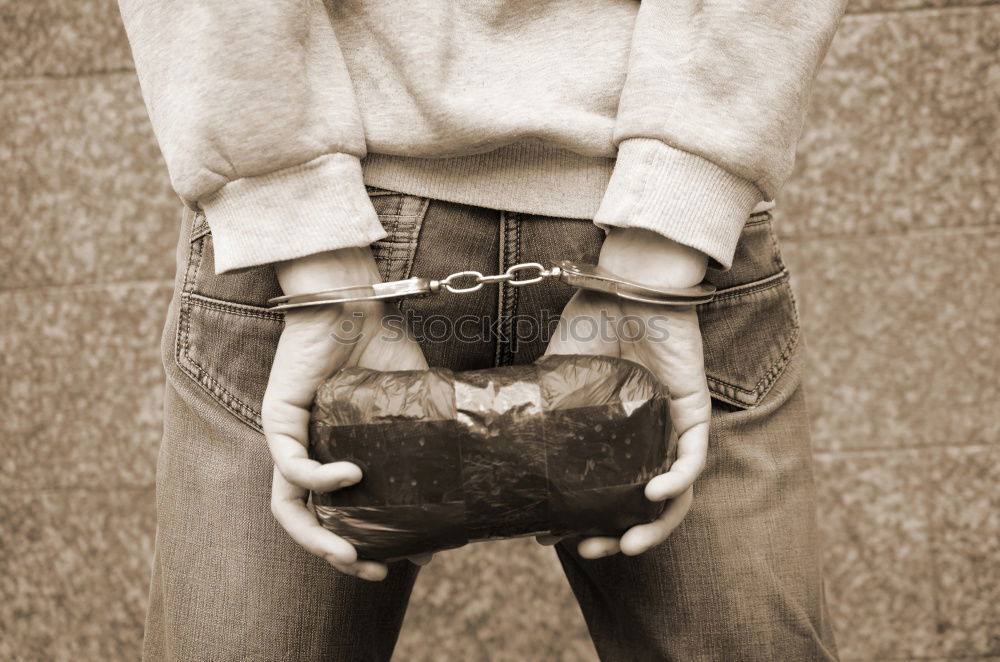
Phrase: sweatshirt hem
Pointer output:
(317, 206)
(527, 177)
(679, 195)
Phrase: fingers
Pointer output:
(642, 537)
(371, 571)
(599, 547)
(421, 559)
(588, 548)
(691, 407)
(289, 508)
(307, 355)
(692, 451)
(676, 485)
(281, 429)
(318, 477)
(304, 357)
(547, 540)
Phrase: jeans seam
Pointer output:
(395, 221)
(195, 254)
(244, 310)
(411, 246)
(737, 291)
(776, 251)
(510, 245)
(395, 254)
(199, 226)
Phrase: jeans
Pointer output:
(740, 579)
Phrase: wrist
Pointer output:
(328, 270)
(651, 259)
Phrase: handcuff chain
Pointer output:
(452, 281)
(585, 277)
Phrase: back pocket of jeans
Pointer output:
(226, 336)
(750, 330)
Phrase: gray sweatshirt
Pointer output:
(678, 116)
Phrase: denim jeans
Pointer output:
(740, 579)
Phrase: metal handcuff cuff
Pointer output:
(581, 276)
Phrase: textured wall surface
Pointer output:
(891, 230)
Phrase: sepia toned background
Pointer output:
(891, 228)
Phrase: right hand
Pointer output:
(676, 359)
(315, 343)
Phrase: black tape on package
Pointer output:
(564, 446)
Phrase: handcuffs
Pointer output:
(582, 276)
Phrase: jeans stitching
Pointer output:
(774, 247)
(193, 265)
(510, 245)
(182, 345)
(501, 294)
(414, 239)
(199, 226)
(392, 228)
(203, 378)
(736, 393)
(230, 307)
(737, 291)
(772, 373)
(398, 250)
(777, 368)
(241, 409)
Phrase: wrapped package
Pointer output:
(564, 445)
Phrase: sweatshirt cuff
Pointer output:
(317, 206)
(679, 195)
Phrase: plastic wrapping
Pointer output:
(564, 445)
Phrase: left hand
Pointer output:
(314, 344)
(676, 360)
